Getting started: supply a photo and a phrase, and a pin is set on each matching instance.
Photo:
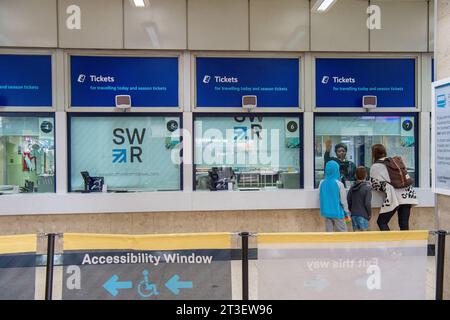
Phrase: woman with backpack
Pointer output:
(389, 176)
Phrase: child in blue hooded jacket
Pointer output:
(333, 200)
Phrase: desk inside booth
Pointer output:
(246, 179)
(263, 150)
(27, 153)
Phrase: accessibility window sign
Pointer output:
(141, 267)
(149, 81)
(140, 275)
(221, 82)
(342, 82)
(25, 80)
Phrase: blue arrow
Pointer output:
(174, 285)
(112, 285)
(119, 155)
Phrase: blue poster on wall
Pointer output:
(221, 82)
(343, 82)
(150, 81)
(25, 80)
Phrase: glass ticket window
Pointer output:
(27, 153)
(124, 153)
(242, 153)
(349, 139)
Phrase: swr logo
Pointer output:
(120, 155)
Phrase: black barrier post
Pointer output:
(440, 264)
(49, 271)
(244, 236)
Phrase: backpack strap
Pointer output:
(384, 162)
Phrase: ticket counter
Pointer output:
(27, 149)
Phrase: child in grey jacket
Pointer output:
(359, 200)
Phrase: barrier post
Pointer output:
(244, 236)
(440, 264)
(49, 269)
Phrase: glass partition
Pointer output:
(124, 152)
(350, 138)
(27, 153)
(242, 152)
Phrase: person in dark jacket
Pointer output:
(359, 200)
(346, 167)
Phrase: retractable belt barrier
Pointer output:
(18, 267)
(220, 266)
(367, 265)
(171, 266)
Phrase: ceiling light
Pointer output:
(139, 3)
(322, 5)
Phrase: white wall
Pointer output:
(404, 26)
(28, 23)
(101, 24)
(257, 25)
(159, 26)
(281, 25)
(218, 25)
(431, 25)
(341, 28)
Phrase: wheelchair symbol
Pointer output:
(145, 288)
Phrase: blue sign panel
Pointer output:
(150, 81)
(25, 80)
(343, 82)
(221, 82)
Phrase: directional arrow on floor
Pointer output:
(113, 285)
(174, 284)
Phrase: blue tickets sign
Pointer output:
(221, 82)
(343, 82)
(150, 81)
(25, 80)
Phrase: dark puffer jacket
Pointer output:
(359, 199)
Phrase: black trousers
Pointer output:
(403, 210)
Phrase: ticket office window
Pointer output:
(118, 153)
(241, 152)
(350, 138)
(27, 153)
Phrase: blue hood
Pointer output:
(332, 171)
(330, 202)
